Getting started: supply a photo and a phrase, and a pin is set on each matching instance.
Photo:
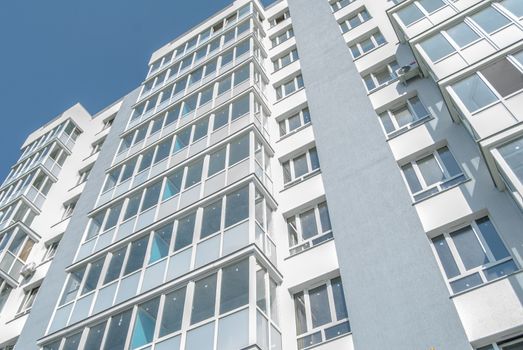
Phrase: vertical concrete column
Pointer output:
(396, 296)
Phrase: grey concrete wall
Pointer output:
(396, 295)
(51, 287)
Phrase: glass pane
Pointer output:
(300, 313)
(315, 162)
(490, 20)
(512, 153)
(339, 299)
(449, 162)
(160, 244)
(194, 173)
(516, 7)
(162, 151)
(73, 284)
(403, 116)
(115, 266)
(445, 256)
(462, 34)
(300, 166)
(72, 342)
(309, 228)
(466, 283)
(504, 77)
(117, 333)
(310, 340)
(387, 122)
(324, 217)
(225, 84)
(211, 219)
(418, 107)
(217, 162)
(240, 107)
(132, 206)
(261, 300)
(500, 270)
(93, 276)
(173, 185)
(95, 336)
(221, 118)
(431, 5)
(144, 324)
(152, 195)
(182, 139)
(430, 170)
(410, 14)
(320, 310)
(114, 215)
(237, 208)
(241, 75)
(492, 238)
(273, 300)
(239, 149)
(204, 299)
(184, 232)
(147, 160)
(172, 312)
(235, 286)
(469, 248)
(200, 130)
(136, 255)
(474, 93)
(437, 47)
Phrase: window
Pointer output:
(294, 122)
(280, 18)
(338, 5)
(309, 228)
(118, 329)
(97, 146)
(289, 87)
(73, 284)
(432, 174)
(282, 37)
(5, 291)
(83, 175)
(419, 9)
(144, 323)
(398, 120)
(115, 265)
(354, 20)
(136, 255)
(194, 173)
(286, 59)
(28, 300)
(321, 314)
(240, 107)
(184, 231)
(437, 47)
(160, 243)
(298, 167)
(68, 209)
(204, 299)
(367, 44)
(211, 219)
(381, 77)
(172, 312)
(152, 193)
(490, 84)
(490, 20)
(239, 150)
(235, 286)
(473, 255)
(512, 159)
(50, 251)
(92, 276)
(514, 6)
(217, 162)
(173, 185)
(462, 35)
(95, 337)
(237, 206)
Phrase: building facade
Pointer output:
(327, 175)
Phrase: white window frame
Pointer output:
(362, 15)
(463, 272)
(390, 112)
(293, 180)
(372, 38)
(391, 67)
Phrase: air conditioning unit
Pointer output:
(28, 270)
(407, 72)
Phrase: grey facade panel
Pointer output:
(395, 293)
(51, 288)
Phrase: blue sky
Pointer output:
(59, 52)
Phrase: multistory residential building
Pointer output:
(307, 174)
